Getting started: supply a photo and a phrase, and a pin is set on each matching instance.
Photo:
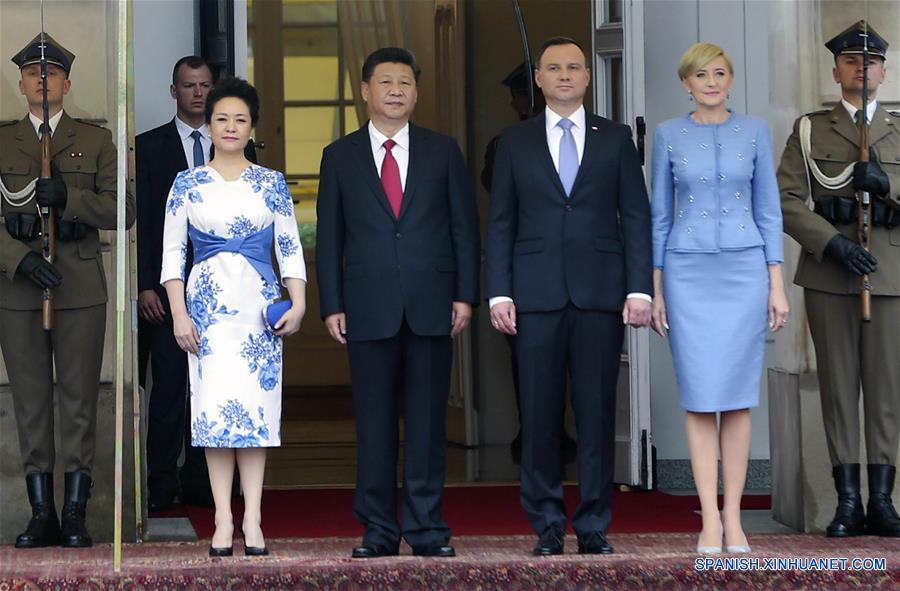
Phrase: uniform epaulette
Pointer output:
(894, 114)
(821, 112)
(7, 123)
(91, 122)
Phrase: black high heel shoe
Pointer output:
(253, 550)
(220, 552)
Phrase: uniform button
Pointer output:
(398, 235)
(568, 207)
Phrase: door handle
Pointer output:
(641, 127)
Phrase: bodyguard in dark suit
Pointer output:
(568, 265)
(397, 256)
(160, 154)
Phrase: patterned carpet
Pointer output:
(642, 561)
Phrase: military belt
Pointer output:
(27, 227)
(842, 210)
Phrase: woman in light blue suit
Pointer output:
(717, 234)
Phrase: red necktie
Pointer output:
(390, 178)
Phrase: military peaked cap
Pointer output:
(853, 40)
(55, 53)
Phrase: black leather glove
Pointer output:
(868, 176)
(39, 271)
(51, 192)
(852, 255)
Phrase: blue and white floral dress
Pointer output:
(236, 377)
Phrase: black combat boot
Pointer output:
(881, 517)
(43, 529)
(849, 519)
(74, 531)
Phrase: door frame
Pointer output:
(634, 449)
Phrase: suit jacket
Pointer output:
(378, 268)
(545, 250)
(834, 143)
(85, 157)
(159, 157)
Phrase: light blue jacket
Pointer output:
(714, 188)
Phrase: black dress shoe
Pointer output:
(365, 551)
(255, 551)
(436, 551)
(549, 543)
(219, 552)
(595, 543)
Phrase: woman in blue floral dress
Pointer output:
(233, 211)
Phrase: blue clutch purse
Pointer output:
(273, 313)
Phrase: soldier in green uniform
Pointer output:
(820, 161)
(82, 191)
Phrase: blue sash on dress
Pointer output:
(256, 248)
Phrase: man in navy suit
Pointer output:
(397, 257)
(568, 265)
(160, 154)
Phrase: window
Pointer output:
(307, 101)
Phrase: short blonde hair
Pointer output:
(698, 55)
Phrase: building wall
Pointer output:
(165, 34)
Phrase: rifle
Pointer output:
(863, 200)
(48, 214)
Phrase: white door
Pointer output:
(619, 95)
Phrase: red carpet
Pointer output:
(488, 563)
(469, 510)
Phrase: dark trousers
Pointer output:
(416, 369)
(584, 345)
(75, 348)
(166, 423)
(850, 353)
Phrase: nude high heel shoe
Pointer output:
(712, 549)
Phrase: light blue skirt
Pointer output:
(717, 307)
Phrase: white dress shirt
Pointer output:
(870, 111)
(187, 142)
(555, 133)
(37, 122)
(400, 151)
(554, 137)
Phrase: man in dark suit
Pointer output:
(568, 265)
(397, 257)
(160, 154)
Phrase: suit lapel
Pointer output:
(414, 170)
(882, 125)
(843, 124)
(65, 134)
(539, 135)
(26, 140)
(591, 148)
(173, 140)
(366, 163)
